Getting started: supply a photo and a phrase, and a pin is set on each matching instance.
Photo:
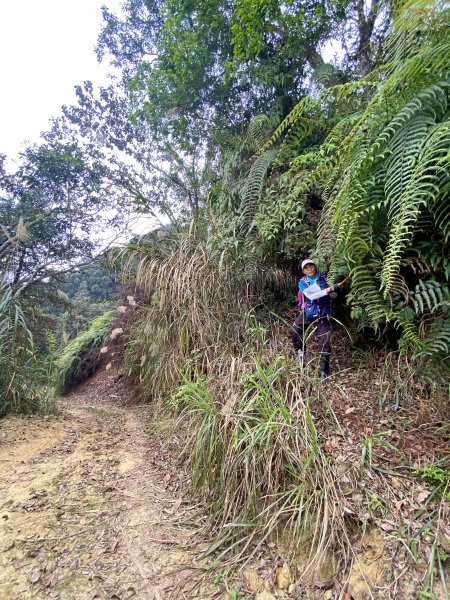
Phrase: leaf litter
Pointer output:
(88, 502)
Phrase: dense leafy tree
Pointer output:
(221, 64)
(53, 212)
(159, 178)
(97, 281)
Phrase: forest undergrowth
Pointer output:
(326, 472)
(280, 460)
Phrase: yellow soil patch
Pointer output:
(87, 511)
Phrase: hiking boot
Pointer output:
(324, 367)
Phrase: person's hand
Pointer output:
(328, 290)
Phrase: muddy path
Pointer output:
(91, 504)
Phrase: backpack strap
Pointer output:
(302, 301)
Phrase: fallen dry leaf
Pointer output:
(33, 576)
(50, 580)
(399, 504)
(331, 444)
(423, 495)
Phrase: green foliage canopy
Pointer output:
(214, 65)
(53, 207)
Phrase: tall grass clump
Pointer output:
(254, 449)
(16, 353)
(24, 372)
(81, 356)
(257, 459)
(194, 305)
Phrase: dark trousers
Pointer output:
(300, 332)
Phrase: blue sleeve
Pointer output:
(302, 285)
(324, 279)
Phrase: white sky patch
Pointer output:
(330, 50)
(46, 48)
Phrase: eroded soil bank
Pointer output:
(87, 504)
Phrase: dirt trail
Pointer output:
(88, 503)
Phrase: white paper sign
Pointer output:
(313, 289)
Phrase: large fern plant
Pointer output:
(243, 175)
(383, 170)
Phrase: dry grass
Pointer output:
(257, 458)
(195, 313)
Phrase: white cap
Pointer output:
(307, 261)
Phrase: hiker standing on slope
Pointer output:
(314, 304)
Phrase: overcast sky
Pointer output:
(46, 48)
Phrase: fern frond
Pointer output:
(430, 296)
(254, 183)
(299, 111)
(433, 354)
(367, 292)
(257, 132)
(420, 182)
(438, 339)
